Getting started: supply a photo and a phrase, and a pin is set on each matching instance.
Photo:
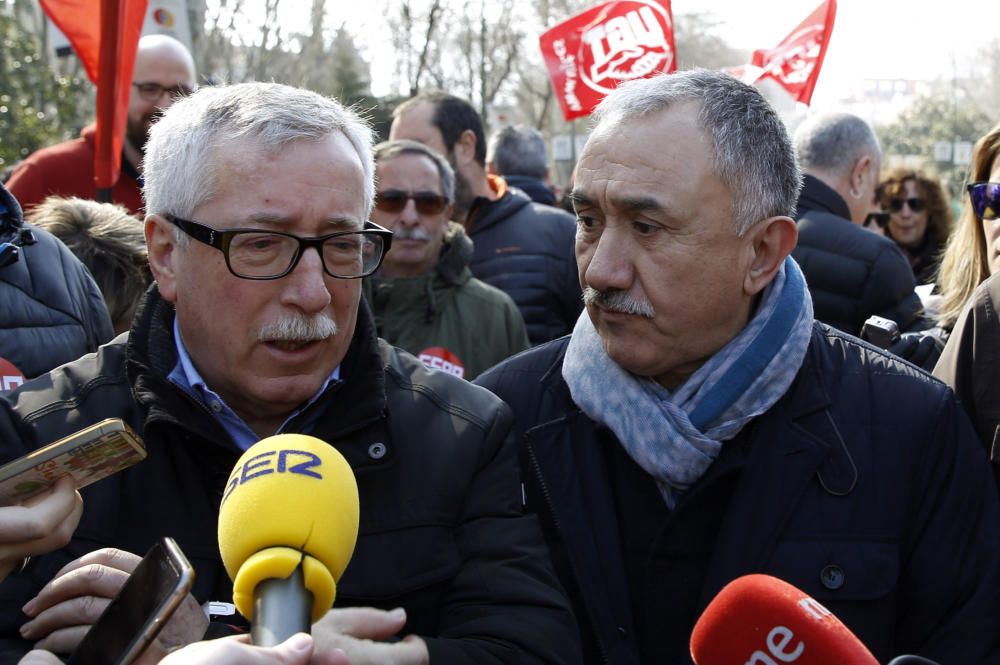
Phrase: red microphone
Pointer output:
(760, 620)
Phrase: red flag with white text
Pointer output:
(104, 35)
(591, 53)
(794, 64)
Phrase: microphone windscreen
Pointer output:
(761, 619)
(290, 497)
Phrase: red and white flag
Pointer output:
(794, 64)
(104, 35)
(589, 54)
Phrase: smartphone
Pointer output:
(87, 456)
(137, 614)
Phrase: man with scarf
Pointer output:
(698, 425)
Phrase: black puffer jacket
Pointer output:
(863, 485)
(852, 273)
(442, 530)
(51, 311)
(527, 250)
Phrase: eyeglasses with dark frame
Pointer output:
(985, 198)
(153, 92)
(260, 254)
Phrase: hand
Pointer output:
(356, 631)
(39, 657)
(920, 348)
(66, 607)
(44, 522)
(296, 650)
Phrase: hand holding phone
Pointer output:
(44, 523)
(145, 603)
(85, 456)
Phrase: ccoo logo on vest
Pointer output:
(10, 376)
(438, 357)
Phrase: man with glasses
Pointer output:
(164, 71)
(852, 273)
(424, 297)
(521, 247)
(258, 198)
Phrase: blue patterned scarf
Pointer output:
(676, 436)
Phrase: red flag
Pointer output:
(795, 63)
(589, 54)
(105, 40)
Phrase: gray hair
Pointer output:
(389, 149)
(834, 142)
(179, 165)
(518, 150)
(753, 156)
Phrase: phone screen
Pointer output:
(134, 617)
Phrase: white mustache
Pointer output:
(411, 234)
(618, 301)
(298, 328)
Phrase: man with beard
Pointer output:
(424, 298)
(164, 71)
(258, 199)
(521, 247)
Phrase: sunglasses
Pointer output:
(394, 200)
(985, 197)
(880, 219)
(916, 205)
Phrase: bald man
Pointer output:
(164, 71)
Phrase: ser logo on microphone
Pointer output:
(299, 462)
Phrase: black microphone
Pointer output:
(911, 660)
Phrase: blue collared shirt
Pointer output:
(186, 376)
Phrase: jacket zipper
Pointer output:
(555, 521)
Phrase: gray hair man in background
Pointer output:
(852, 273)
(699, 425)
(517, 152)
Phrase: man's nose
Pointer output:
(305, 287)
(610, 265)
(409, 215)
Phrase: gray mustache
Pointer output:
(298, 328)
(618, 301)
(411, 234)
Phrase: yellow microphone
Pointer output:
(287, 528)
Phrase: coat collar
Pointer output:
(817, 195)
(356, 402)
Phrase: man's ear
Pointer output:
(161, 245)
(771, 241)
(863, 169)
(465, 147)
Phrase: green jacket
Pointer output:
(448, 318)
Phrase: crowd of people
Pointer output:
(569, 431)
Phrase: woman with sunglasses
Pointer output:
(919, 219)
(973, 250)
(970, 362)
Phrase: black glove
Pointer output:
(920, 348)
